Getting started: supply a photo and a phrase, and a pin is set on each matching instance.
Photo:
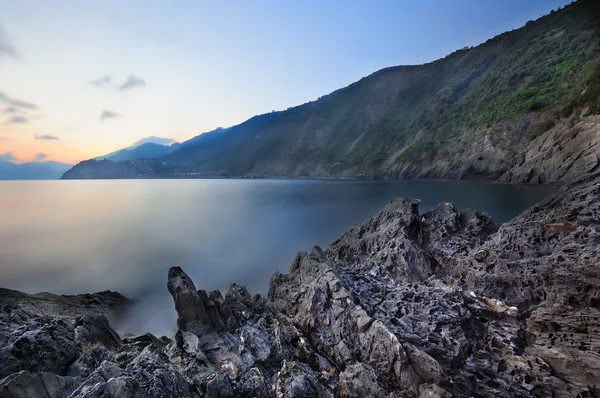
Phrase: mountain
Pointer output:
(148, 150)
(155, 147)
(33, 170)
(150, 147)
(477, 113)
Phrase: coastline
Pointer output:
(346, 321)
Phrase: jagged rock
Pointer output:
(296, 380)
(219, 387)
(91, 357)
(403, 305)
(45, 344)
(17, 308)
(562, 155)
(254, 385)
(39, 385)
(113, 388)
(92, 329)
(191, 312)
(359, 380)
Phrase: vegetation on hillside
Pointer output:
(420, 114)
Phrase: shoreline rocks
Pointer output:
(405, 304)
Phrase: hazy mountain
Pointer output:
(471, 114)
(149, 147)
(33, 171)
(148, 151)
(154, 147)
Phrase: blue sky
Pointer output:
(100, 75)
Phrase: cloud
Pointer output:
(18, 104)
(9, 109)
(155, 140)
(5, 47)
(40, 156)
(7, 157)
(101, 82)
(17, 120)
(106, 114)
(46, 137)
(132, 82)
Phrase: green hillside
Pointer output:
(400, 120)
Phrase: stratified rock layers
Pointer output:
(403, 305)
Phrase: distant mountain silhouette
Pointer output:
(33, 170)
(151, 147)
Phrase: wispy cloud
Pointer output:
(102, 81)
(132, 82)
(7, 157)
(46, 137)
(17, 120)
(15, 103)
(40, 156)
(5, 47)
(9, 109)
(106, 114)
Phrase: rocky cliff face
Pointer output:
(406, 304)
(566, 152)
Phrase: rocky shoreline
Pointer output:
(405, 304)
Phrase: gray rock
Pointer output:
(219, 387)
(44, 344)
(403, 305)
(94, 329)
(560, 156)
(254, 385)
(191, 312)
(39, 385)
(359, 380)
(296, 380)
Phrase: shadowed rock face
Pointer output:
(563, 154)
(405, 304)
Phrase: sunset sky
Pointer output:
(79, 79)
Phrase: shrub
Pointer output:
(540, 128)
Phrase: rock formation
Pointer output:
(405, 304)
(561, 155)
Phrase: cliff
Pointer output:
(406, 304)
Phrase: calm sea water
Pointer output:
(72, 237)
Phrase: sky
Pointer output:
(80, 79)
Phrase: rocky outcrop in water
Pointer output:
(406, 304)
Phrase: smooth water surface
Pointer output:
(72, 237)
